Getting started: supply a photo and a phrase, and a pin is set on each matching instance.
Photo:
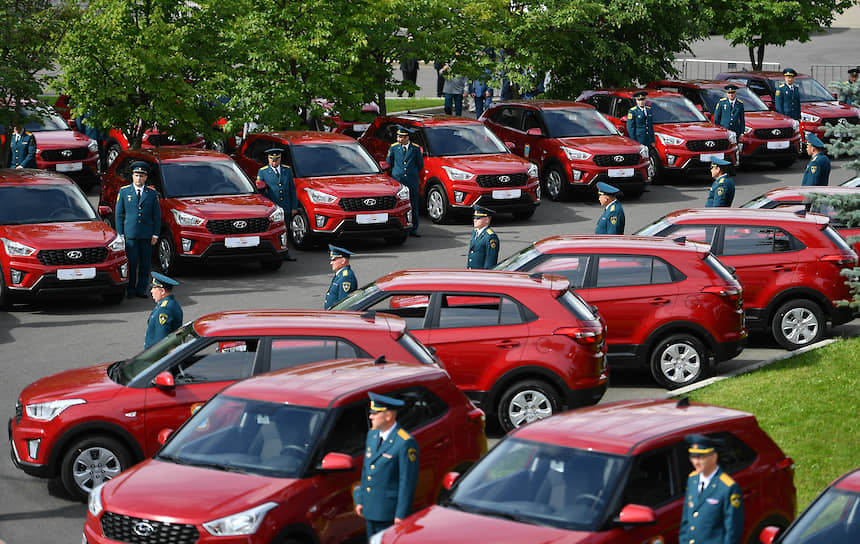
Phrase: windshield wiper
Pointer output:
(205, 464)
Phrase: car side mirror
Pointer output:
(72, 124)
(636, 514)
(768, 534)
(164, 380)
(260, 184)
(449, 479)
(510, 145)
(835, 96)
(334, 462)
(534, 132)
(383, 165)
(105, 211)
(163, 435)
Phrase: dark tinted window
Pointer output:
(650, 482)
(618, 270)
(224, 360)
(509, 117)
(753, 240)
(572, 267)
(734, 454)
(30, 204)
(416, 349)
(477, 311)
(603, 102)
(204, 179)
(387, 132)
(422, 407)
(695, 233)
(412, 307)
(531, 119)
(256, 150)
(622, 106)
(758, 87)
(288, 352)
(463, 140)
(349, 432)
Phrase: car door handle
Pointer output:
(782, 268)
(442, 443)
(657, 301)
(507, 344)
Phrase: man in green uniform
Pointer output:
(484, 245)
(722, 191)
(276, 184)
(611, 221)
(786, 98)
(406, 161)
(343, 282)
(166, 317)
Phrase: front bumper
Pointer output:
(37, 470)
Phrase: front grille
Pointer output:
(143, 531)
(780, 133)
(627, 159)
(56, 155)
(87, 255)
(708, 145)
(238, 226)
(837, 120)
(368, 203)
(513, 180)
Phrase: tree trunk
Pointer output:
(756, 56)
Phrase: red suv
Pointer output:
(614, 473)
(209, 209)
(573, 145)
(89, 424)
(54, 242)
(818, 107)
(768, 135)
(342, 192)
(520, 346)
(789, 265)
(685, 140)
(274, 458)
(464, 164)
(670, 286)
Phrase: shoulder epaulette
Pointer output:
(612, 208)
(395, 144)
(693, 473)
(265, 167)
(344, 273)
(489, 231)
(723, 99)
(28, 132)
(124, 186)
(403, 434)
(163, 303)
(726, 479)
(633, 108)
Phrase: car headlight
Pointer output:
(795, 125)
(533, 170)
(643, 151)
(669, 140)
(94, 501)
(118, 244)
(243, 523)
(93, 146)
(809, 118)
(319, 197)
(747, 130)
(46, 411)
(733, 138)
(186, 219)
(16, 249)
(575, 154)
(455, 174)
(403, 193)
(277, 216)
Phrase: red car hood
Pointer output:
(351, 186)
(61, 235)
(221, 207)
(603, 145)
(439, 525)
(825, 109)
(91, 383)
(503, 163)
(767, 119)
(60, 139)
(166, 491)
(693, 131)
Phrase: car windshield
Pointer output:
(335, 159)
(750, 100)
(519, 259)
(41, 120)
(124, 372)
(576, 122)
(834, 518)
(812, 91)
(200, 178)
(357, 298)
(32, 204)
(655, 228)
(760, 201)
(674, 109)
(247, 435)
(447, 141)
(541, 484)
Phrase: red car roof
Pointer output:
(469, 280)
(752, 216)
(628, 92)
(271, 322)
(300, 137)
(849, 481)
(616, 244)
(172, 154)
(760, 73)
(545, 104)
(429, 120)
(695, 83)
(26, 176)
(802, 191)
(624, 427)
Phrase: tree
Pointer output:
(759, 23)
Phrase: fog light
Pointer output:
(577, 175)
(16, 275)
(320, 219)
(186, 245)
(123, 270)
(459, 196)
(284, 240)
(409, 217)
(671, 159)
(537, 193)
(740, 148)
(33, 447)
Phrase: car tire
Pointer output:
(679, 360)
(784, 163)
(91, 461)
(168, 257)
(271, 265)
(655, 167)
(300, 230)
(522, 216)
(437, 204)
(527, 401)
(398, 239)
(113, 151)
(5, 296)
(798, 323)
(556, 186)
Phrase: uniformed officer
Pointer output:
(166, 317)
(852, 79)
(279, 186)
(818, 169)
(407, 160)
(786, 98)
(484, 245)
(138, 219)
(389, 473)
(713, 504)
(22, 148)
(640, 121)
(612, 219)
(343, 282)
(729, 112)
(722, 191)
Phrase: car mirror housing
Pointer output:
(636, 514)
(163, 435)
(449, 479)
(104, 211)
(534, 132)
(510, 145)
(334, 461)
(768, 534)
(383, 165)
(164, 380)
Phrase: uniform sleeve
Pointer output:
(630, 124)
(733, 515)
(777, 101)
(294, 198)
(742, 116)
(390, 157)
(156, 215)
(119, 214)
(492, 255)
(31, 150)
(685, 516)
(419, 160)
(408, 467)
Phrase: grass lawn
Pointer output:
(406, 104)
(810, 405)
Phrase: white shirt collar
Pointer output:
(385, 434)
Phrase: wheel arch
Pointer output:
(296, 532)
(524, 373)
(93, 428)
(806, 293)
(679, 327)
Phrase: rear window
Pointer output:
(576, 306)
(837, 239)
(717, 266)
(416, 349)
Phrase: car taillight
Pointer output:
(478, 416)
(729, 294)
(586, 336)
(841, 260)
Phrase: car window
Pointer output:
(577, 122)
(183, 179)
(458, 140)
(572, 267)
(256, 150)
(349, 433)
(509, 117)
(834, 518)
(333, 159)
(603, 102)
(622, 106)
(674, 109)
(753, 240)
(31, 204)
(696, 233)
(531, 119)
(650, 481)
(617, 270)
(758, 87)
(387, 132)
(422, 407)
(416, 349)
(225, 360)
(733, 453)
(289, 352)
(458, 311)
(412, 307)
(123, 170)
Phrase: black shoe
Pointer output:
(288, 258)
(130, 295)
(141, 295)
(415, 235)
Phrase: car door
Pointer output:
(197, 376)
(505, 122)
(379, 141)
(252, 155)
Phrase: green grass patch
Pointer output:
(809, 405)
(411, 104)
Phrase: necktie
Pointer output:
(139, 194)
(379, 442)
(701, 486)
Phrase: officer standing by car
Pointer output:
(611, 221)
(389, 474)
(722, 191)
(818, 169)
(343, 282)
(22, 148)
(786, 99)
(640, 121)
(138, 220)
(278, 186)
(406, 161)
(729, 112)
(484, 245)
(713, 504)
(166, 317)
(852, 79)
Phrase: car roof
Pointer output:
(628, 92)
(544, 104)
(300, 137)
(752, 216)
(323, 383)
(696, 83)
(803, 190)
(625, 427)
(760, 74)
(27, 176)
(849, 481)
(273, 322)
(458, 279)
(612, 243)
(173, 154)
(430, 119)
